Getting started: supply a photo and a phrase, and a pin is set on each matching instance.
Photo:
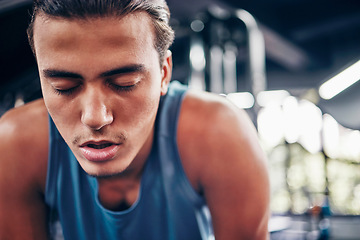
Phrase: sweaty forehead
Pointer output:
(111, 30)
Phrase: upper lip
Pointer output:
(93, 142)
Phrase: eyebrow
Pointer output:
(134, 68)
(52, 73)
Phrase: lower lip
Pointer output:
(99, 155)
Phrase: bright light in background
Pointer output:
(271, 125)
(197, 57)
(19, 100)
(291, 119)
(340, 82)
(270, 97)
(330, 136)
(198, 62)
(350, 144)
(300, 121)
(310, 126)
(340, 142)
(243, 100)
(197, 25)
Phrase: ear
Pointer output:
(166, 72)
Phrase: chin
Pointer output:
(104, 175)
(102, 170)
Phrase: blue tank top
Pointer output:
(167, 206)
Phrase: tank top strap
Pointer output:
(54, 153)
(170, 108)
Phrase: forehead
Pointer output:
(131, 33)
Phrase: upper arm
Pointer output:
(223, 159)
(23, 160)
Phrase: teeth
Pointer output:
(101, 146)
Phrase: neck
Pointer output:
(123, 189)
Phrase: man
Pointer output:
(116, 151)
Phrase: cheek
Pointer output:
(57, 108)
(50, 97)
(147, 109)
(144, 108)
(60, 111)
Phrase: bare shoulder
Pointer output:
(24, 143)
(223, 160)
(209, 124)
(23, 165)
(208, 109)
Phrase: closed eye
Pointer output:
(123, 88)
(65, 92)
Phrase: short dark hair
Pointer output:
(82, 9)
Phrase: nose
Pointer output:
(95, 113)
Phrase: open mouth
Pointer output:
(99, 151)
(99, 146)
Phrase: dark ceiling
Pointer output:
(306, 41)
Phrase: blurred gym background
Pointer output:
(294, 67)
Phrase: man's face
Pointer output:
(101, 83)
